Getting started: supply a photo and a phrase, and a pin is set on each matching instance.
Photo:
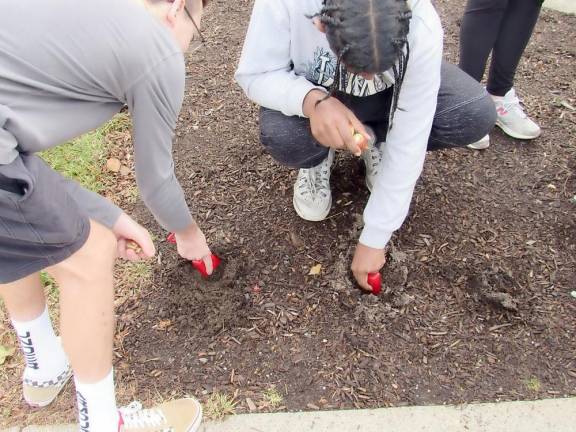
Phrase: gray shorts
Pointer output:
(40, 223)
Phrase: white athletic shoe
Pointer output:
(512, 119)
(372, 157)
(481, 144)
(312, 196)
(181, 415)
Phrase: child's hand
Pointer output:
(367, 260)
(333, 124)
(191, 244)
(134, 241)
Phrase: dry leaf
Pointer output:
(315, 270)
(163, 324)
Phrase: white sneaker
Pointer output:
(372, 157)
(312, 196)
(181, 415)
(481, 144)
(512, 119)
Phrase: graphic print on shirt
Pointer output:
(322, 68)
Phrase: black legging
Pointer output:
(503, 27)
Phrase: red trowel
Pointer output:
(198, 264)
(375, 281)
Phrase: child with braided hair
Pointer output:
(364, 76)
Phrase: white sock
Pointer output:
(97, 411)
(43, 352)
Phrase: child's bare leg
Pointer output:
(87, 326)
(47, 369)
(87, 304)
(24, 299)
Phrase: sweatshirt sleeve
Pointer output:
(96, 206)
(154, 102)
(405, 148)
(265, 70)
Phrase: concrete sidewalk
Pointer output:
(566, 6)
(553, 415)
(557, 415)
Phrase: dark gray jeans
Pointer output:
(464, 114)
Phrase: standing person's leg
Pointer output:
(46, 366)
(465, 111)
(479, 32)
(42, 227)
(516, 30)
(517, 27)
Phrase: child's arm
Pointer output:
(265, 72)
(154, 102)
(406, 143)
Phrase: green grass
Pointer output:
(272, 397)
(533, 384)
(83, 159)
(219, 405)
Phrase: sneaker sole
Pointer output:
(513, 134)
(319, 218)
(42, 404)
(477, 146)
(196, 425)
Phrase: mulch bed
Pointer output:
(477, 303)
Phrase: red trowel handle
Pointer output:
(375, 281)
(198, 264)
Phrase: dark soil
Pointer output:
(477, 303)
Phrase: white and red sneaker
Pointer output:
(512, 119)
(181, 415)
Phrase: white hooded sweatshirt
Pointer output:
(285, 57)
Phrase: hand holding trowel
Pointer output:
(199, 264)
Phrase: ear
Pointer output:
(319, 25)
(175, 9)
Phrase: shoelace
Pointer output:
(372, 160)
(314, 180)
(134, 416)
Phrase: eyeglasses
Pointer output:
(197, 39)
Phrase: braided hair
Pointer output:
(368, 36)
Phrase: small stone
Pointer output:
(124, 170)
(113, 165)
(573, 294)
(203, 360)
(251, 405)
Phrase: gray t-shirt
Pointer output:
(67, 66)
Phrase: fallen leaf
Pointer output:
(565, 104)
(315, 270)
(163, 324)
(5, 353)
(113, 165)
